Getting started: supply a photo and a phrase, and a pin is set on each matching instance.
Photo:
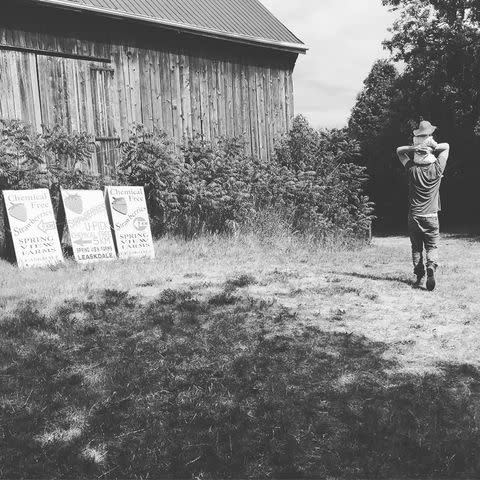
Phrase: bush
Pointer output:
(322, 186)
(52, 159)
(312, 186)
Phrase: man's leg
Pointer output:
(432, 238)
(416, 239)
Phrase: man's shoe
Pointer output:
(430, 279)
(419, 282)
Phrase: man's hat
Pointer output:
(425, 128)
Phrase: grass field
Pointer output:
(236, 357)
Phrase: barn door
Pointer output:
(106, 118)
(79, 95)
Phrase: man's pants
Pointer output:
(424, 232)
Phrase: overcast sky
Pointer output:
(344, 37)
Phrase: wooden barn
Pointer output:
(209, 67)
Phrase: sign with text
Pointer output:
(130, 221)
(88, 225)
(33, 228)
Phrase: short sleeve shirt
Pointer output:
(424, 188)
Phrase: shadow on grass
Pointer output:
(368, 276)
(221, 387)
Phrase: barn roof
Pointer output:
(245, 21)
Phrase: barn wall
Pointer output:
(88, 81)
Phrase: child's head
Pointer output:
(424, 129)
(419, 139)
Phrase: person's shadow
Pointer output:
(387, 278)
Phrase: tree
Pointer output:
(438, 43)
(376, 122)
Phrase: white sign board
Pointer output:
(33, 228)
(88, 225)
(130, 221)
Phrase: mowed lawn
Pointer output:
(241, 357)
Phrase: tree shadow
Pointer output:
(197, 385)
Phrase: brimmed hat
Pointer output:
(425, 128)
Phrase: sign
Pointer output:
(130, 221)
(88, 225)
(33, 228)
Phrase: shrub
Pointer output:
(148, 161)
(52, 159)
(203, 188)
(312, 186)
(321, 185)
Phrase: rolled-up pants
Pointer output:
(424, 233)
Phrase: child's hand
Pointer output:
(422, 150)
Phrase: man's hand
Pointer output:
(402, 153)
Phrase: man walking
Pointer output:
(424, 200)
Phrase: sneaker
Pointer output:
(430, 279)
(419, 282)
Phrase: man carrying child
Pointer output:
(425, 173)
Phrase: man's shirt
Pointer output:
(424, 188)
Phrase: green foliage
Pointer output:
(438, 45)
(321, 185)
(312, 183)
(148, 161)
(50, 159)
(218, 187)
(378, 123)
(21, 155)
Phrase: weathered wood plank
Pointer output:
(288, 99)
(221, 103)
(252, 94)
(204, 100)
(175, 89)
(259, 77)
(146, 88)
(155, 82)
(195, 96)
(166, 94)
(246, 109)
(186, 107)
(228, 80)
(212, 98)
(269, 127)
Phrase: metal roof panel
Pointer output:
(235, 19)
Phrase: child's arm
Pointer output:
(433, 144)
(402, 153)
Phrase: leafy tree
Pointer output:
(376, 122)
(437, 42)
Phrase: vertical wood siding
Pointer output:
(180, 93)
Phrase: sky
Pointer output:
(344, 39)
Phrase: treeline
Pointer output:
(313, 186)
(437, 46)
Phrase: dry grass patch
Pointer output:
(242, 358)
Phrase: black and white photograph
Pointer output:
(239, 239)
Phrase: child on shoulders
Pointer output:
(424, 144)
